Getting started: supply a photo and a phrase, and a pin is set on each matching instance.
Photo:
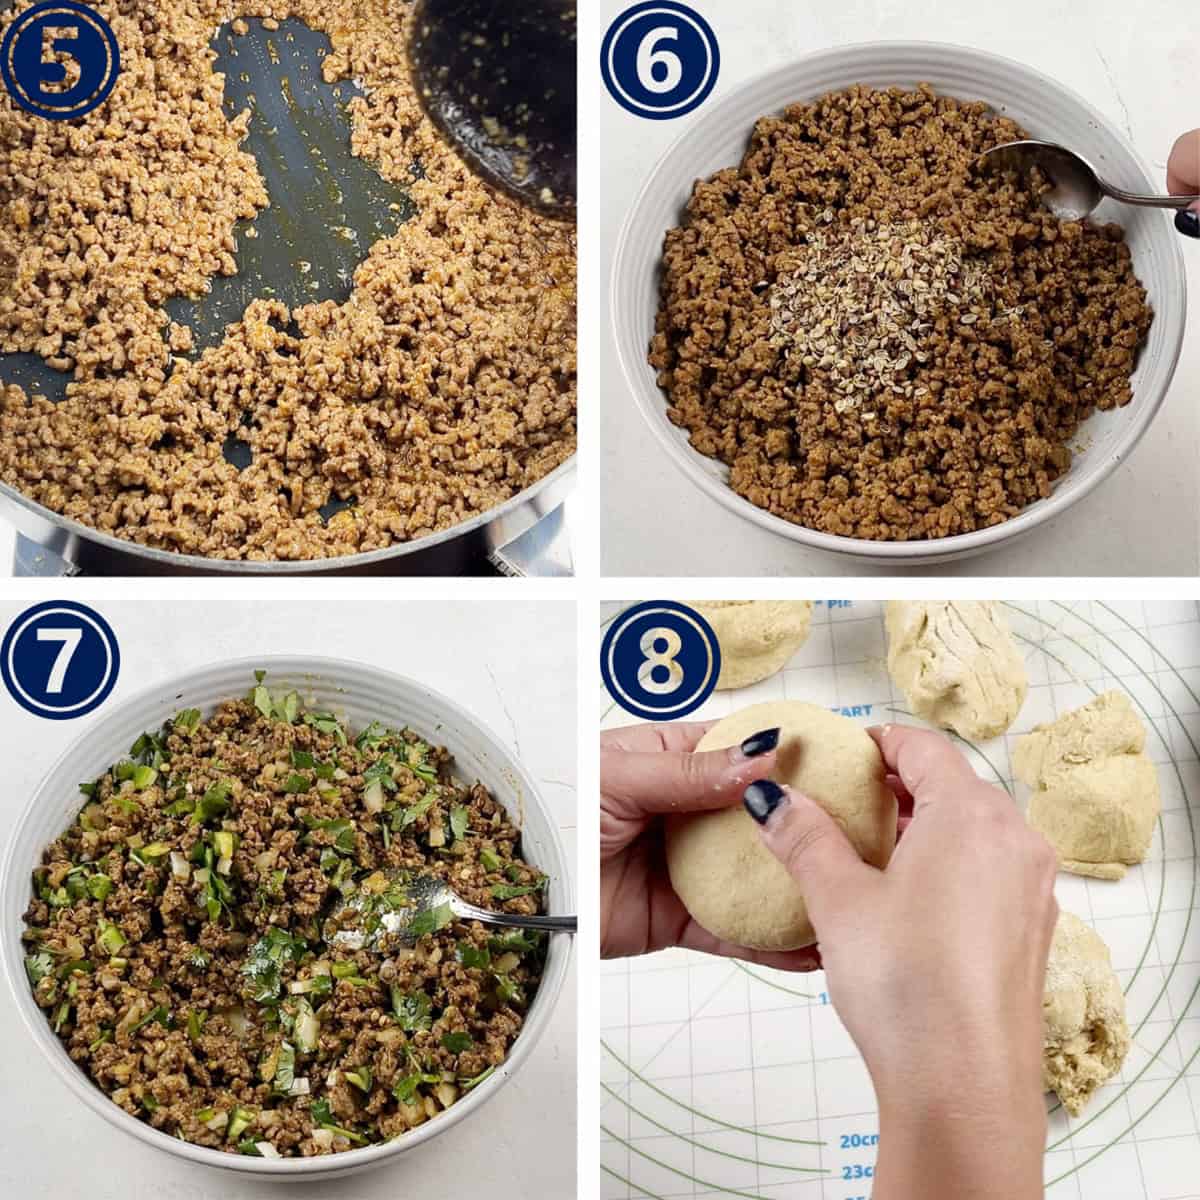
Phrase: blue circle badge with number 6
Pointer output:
(60, 660)
(660, 59)
(60, 60)
(660, 660)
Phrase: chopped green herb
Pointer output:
(143, 777)
(468, 1084)
(431, 920)
(262, 700)
(265, 962)
(509, 990)
(460, 818)
(326, 723)
(159, 1014)
(302, 759)
(456, 1043)
(474, 956)
(198, 959)
(195, 1023)
(515, 941)
(402, 818)
(489, 860)
(188, 719)
(297, 783)
(510, 891)
(413, 1012)
(285, 1069)
(214, 803)
(322, 1116)
(406, 1090)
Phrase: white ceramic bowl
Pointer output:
(1047, 110)
(359, 694)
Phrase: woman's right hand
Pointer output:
(1183, 179)
(936, 965)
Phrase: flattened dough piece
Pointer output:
(726, 878)
(1086, 1036)
(957, 664)
(756, 637)
(1095, 793)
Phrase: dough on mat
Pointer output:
(726, 878)
(1086, 1036)
(1095, 793)
(756, 637)
(957, 663)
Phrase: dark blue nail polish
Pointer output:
(1188, 222)
(762, 799)
(762, 742)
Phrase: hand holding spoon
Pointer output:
(1076, 188)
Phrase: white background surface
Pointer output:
(758, 1050)
(1138, 63)
(517, 675)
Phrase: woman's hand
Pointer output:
(1183, 179)
(646, 773)
(936, 966)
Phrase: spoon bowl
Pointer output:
(1075, 186)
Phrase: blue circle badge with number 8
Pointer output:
(60, 660)
(660, 660)
(660, 59)
(59, 60)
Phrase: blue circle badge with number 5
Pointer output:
(60, 60)
(660, 59)
(660, 660)
(60, 660)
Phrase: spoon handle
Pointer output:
(468, 912)
(1150, 201)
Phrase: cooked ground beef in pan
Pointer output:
(444, 385)
(210, 938)
(880, 339)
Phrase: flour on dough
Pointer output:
(1095, 793)
(1086, 1036)
(757, 637)
(957, 664)
(730, 883)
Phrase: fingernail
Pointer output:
(1188, 222)
(762, 742)
(762, 799)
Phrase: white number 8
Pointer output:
(664, 659)
(648, 58)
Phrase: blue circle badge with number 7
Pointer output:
(59, 60)
(660, 59)
(60, 660)
(660, 660)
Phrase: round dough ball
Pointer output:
(1086, 1036)
(726, 877)
(757, 637)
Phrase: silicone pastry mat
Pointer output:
(722, 1079)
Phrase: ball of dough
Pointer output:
(756, 637)
(957, 664)
(1086, 1036)
(1095, 793)
(726, 878)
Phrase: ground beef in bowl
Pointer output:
(880, 339)
(182, 936)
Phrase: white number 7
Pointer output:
(70, 639)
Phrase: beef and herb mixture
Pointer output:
(442, 387)
(878, 336)
(219, 940)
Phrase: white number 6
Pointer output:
(648, 58)
(665, 659)
(70, 639)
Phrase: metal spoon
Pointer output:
(373, 920)
(498, 78)
(1077, 188)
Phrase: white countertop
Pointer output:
(1137, 64)
(518, 677)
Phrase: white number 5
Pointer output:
(70, 639)
(648, 58)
